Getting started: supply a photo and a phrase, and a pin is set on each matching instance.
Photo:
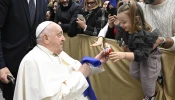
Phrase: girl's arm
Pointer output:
(103, 32)
(115, 56)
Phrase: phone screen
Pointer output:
(113, 11)
(80, 16)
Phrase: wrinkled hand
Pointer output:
(81, 23)
(3, 75)
(158, 42)
(85, 70)
(115, 56)
(99, 42)
(102, 57)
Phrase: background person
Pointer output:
(66, 12)
(18, 22)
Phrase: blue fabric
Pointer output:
(112, 2)
(89, 91)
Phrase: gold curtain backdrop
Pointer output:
(115, 83)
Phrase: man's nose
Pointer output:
(63, 38)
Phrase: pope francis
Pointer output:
(48, 73)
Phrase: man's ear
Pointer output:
(45, 38)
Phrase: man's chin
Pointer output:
(65, 5)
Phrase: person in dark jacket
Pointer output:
(95, 18)
(18, 22)
(66, 12)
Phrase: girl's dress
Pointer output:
(146, 65)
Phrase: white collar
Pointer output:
(46, 50)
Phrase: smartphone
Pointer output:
(80, 16)
(112, 11)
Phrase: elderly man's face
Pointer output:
(56, 39)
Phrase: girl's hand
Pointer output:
(115, 56)
(99, 42)
(81, 23)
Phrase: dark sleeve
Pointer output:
(73, 30)
(91, 30)
(141, 54)
(77, 10)
(142, 45)
(94, 30)
(110, 33)
(121, 35)
(56, 15)
(4, 7)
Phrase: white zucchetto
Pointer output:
(41, 27)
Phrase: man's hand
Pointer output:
(169, 42)
(158, 42)
(85, 70)
(102, 57)
(3, 75)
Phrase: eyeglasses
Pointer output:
(91, 3)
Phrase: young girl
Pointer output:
(143, 52)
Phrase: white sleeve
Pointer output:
(96, 70)
(72, 88)
(75, 86)
(173, 27)
(173, 47)
(103, 31)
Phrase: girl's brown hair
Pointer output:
(135, 12)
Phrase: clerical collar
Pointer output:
(46, 50)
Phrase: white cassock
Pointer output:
(44, 76)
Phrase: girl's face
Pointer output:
(125, 21)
